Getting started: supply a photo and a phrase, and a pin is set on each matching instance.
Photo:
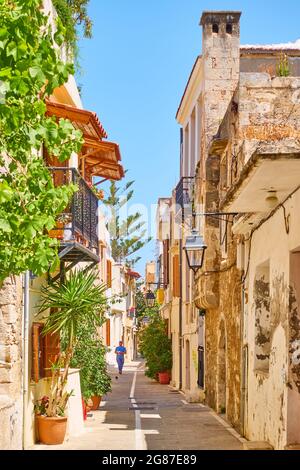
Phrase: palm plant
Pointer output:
(79, 299)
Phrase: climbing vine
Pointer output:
(31, 69)
(73, 13)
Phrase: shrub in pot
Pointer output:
(155, 346)
(79, 299)
(89, 357)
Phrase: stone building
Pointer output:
(239, 175)
(130, 320)
(26, 355)
(260, 176)
(168, 272)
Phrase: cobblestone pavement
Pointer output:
(142, 414)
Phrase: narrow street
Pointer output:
(142, 414)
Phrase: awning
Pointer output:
(133, 274)
(98, 157)
(102, 159)
(86, 121)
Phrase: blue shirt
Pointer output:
(120, 349)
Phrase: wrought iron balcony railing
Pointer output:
(184, 196)
(79, 222)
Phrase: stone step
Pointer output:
(257, 445)
(292, 447)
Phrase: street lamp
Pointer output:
(195, 250)
(150, 299)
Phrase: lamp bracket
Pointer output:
(216, 215)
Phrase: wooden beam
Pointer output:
(101, 181)
(108, 163)
(110, 166)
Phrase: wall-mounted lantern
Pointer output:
(195, 250)
(150, 299)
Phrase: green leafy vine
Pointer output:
(31, 69)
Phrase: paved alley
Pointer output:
(144, 415)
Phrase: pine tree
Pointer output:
(128, 233)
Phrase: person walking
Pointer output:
(120, 353)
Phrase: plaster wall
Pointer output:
(274, 391)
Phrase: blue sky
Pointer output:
(135, 69)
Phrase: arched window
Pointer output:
(229, 28)
(215, 28)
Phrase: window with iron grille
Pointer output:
(201, 366)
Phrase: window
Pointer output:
(176, 276)
(187, 282)
(192, 156)
(108, 274)
(200, 367)
(186, 153)
(229, 28)
(215, 28)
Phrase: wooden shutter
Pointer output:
(176, 276)
(37, 366)
(108, 332)
(108, 274)
(166, 262)
(187, 283)
(51, 351)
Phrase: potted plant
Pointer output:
(76, 300)
(62, 221)
(50, 410)
(98, 192)
(155, 346)
(89, 357)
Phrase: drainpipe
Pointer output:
(25, 347)
(244, 371)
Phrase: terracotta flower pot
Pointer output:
(164, 378)
(51, 430)
(84, 409)
(58, 231)
(96, 402)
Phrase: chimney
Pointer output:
(221, 62)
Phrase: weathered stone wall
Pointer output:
(223, 337)
(260, 63)
(218, 286)
(11, 364)
(268, 111)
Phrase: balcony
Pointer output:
(77, 226)
(268, 170)
(184, 196)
